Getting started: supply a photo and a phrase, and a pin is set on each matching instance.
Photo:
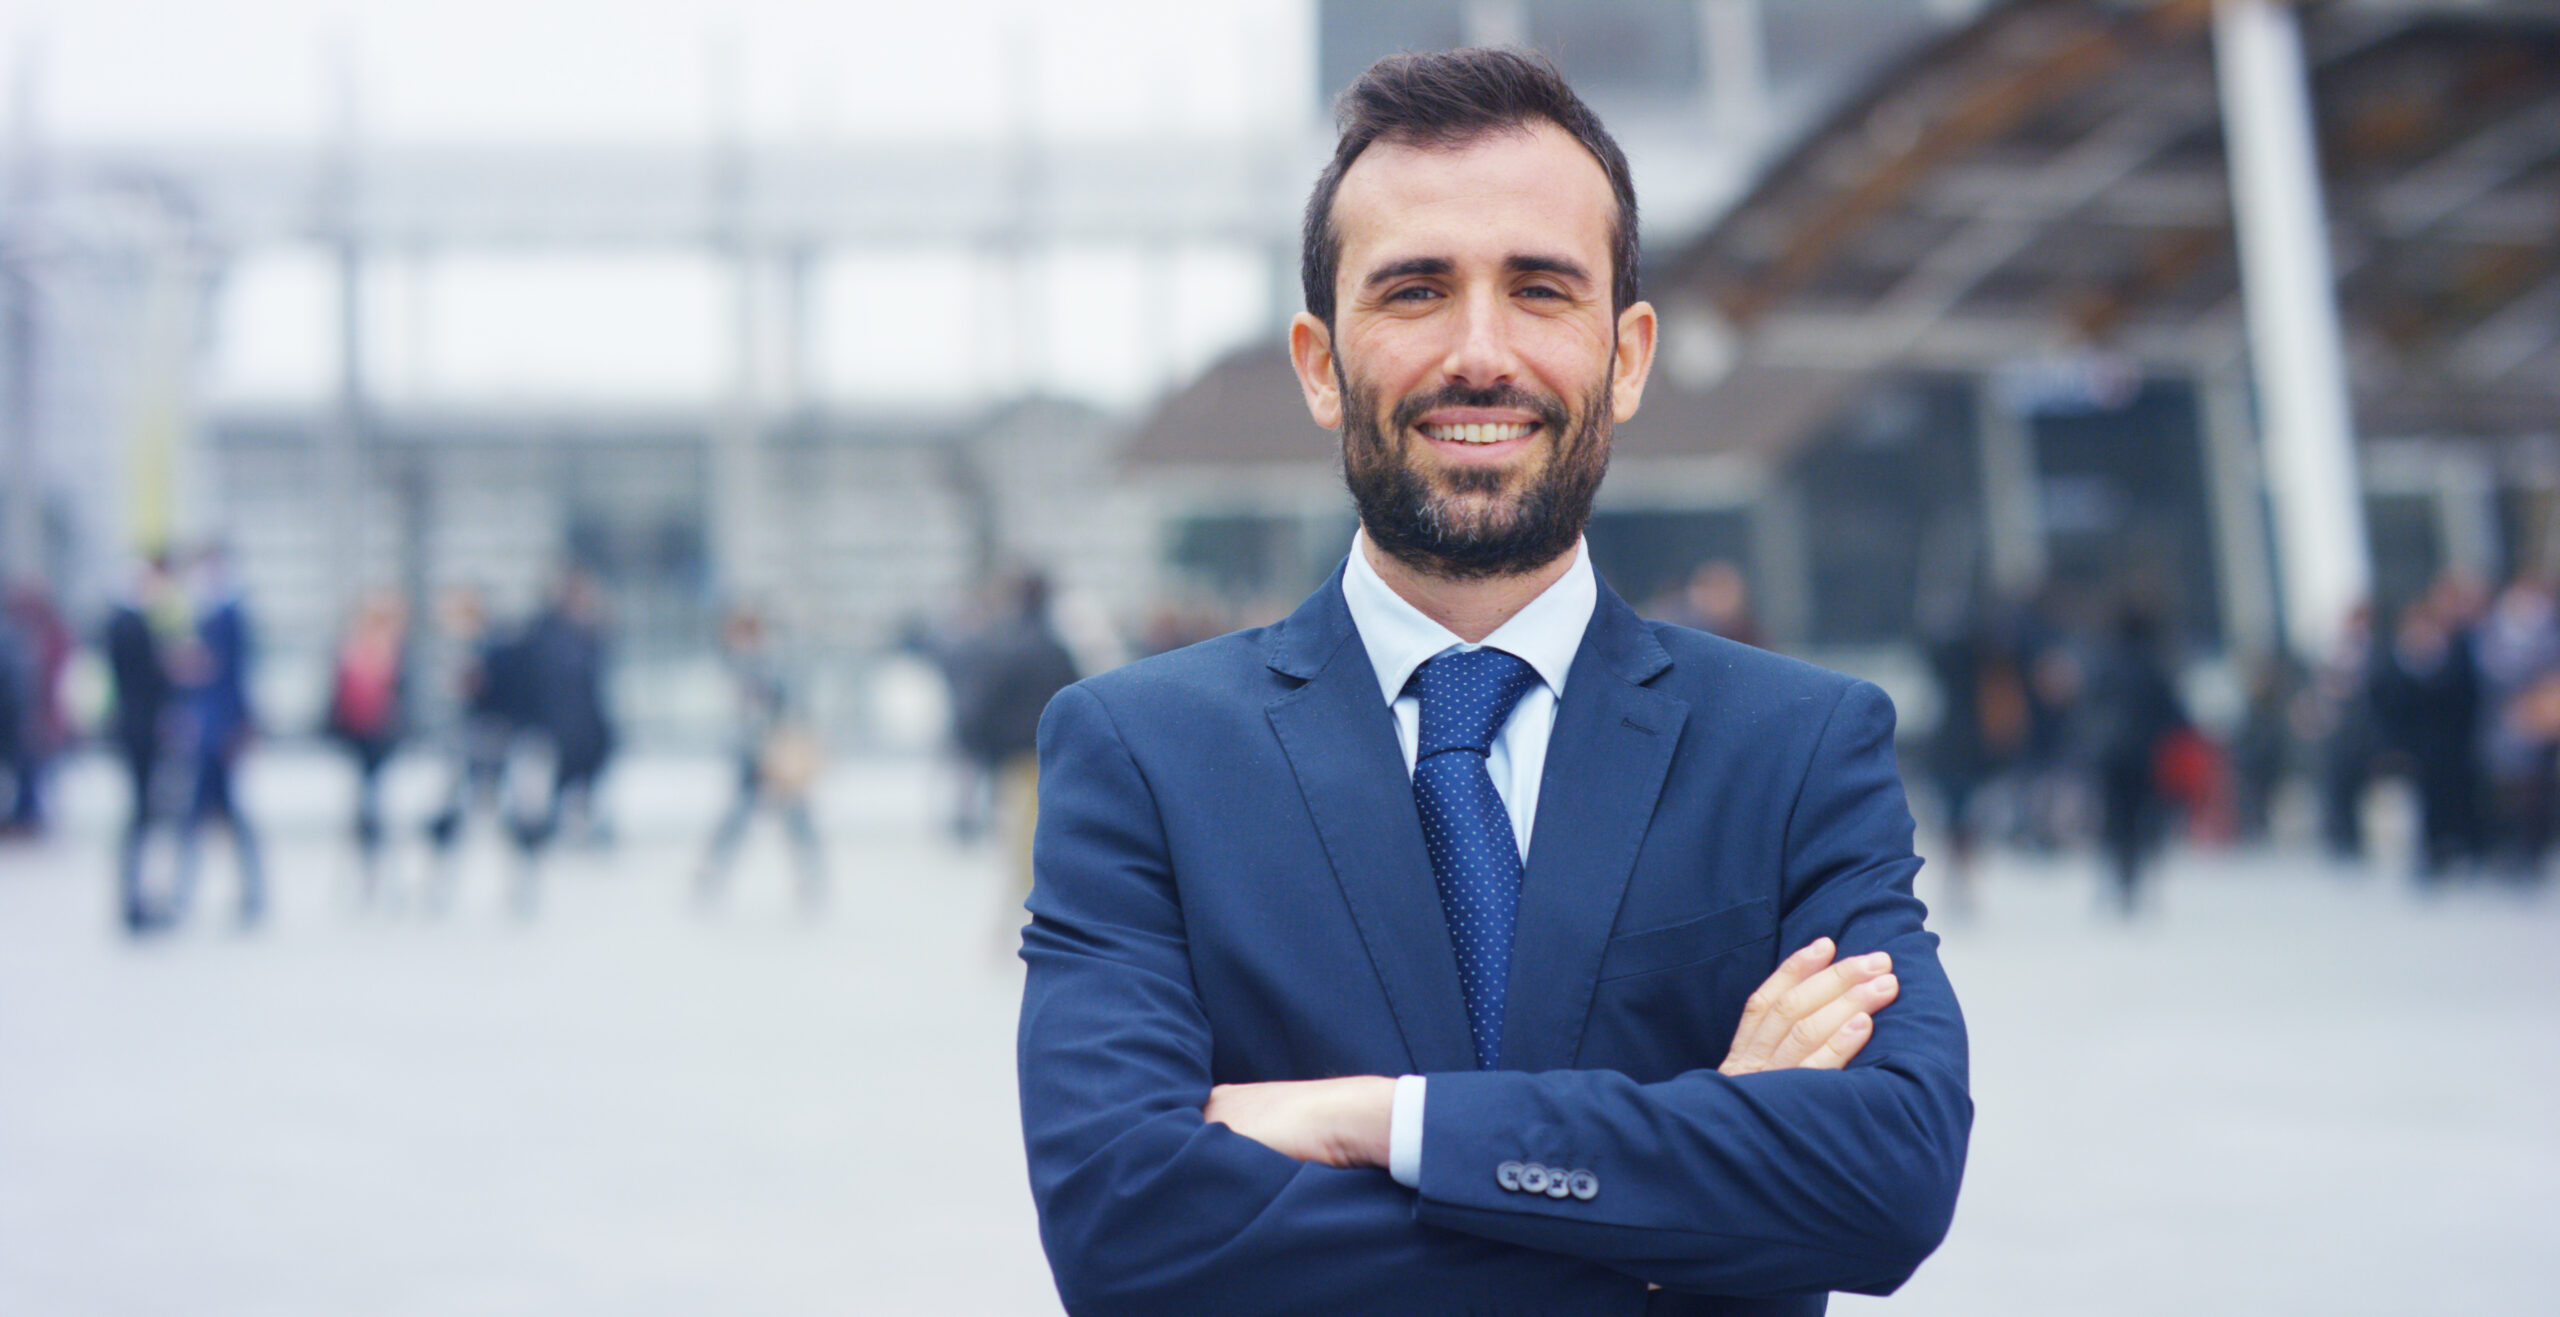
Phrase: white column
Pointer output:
(2296, 355)
(21, 448)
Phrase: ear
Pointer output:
(1311, 351)
(1636, 328)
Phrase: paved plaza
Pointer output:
(2286, 1090)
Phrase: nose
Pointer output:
(1481, 353)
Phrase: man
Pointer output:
(221, 722)
(1002, 679)
(144, 697)
(565, 658)
(1395, 957)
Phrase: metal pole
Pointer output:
(1782, 562)
(1735, 51)
(2295, 348)
(343, 440)
(2012, 501)
(2234, 488)
(736, 475)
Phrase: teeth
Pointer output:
(1477, 433)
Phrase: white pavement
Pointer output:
(2285, 1091)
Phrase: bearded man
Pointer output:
(1422, 952)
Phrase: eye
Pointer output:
(1413, 293)
(1549, 291)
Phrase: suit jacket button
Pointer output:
(1533, 1179)
(1508, 1176)
(1559, 1183)
(1584, 1185)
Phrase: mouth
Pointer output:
(1478, 434)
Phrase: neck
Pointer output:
(1472, 608)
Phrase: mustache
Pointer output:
(1549, 411)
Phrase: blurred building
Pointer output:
(1953, 308)
(1979, 330)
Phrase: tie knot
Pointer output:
(1466, 697)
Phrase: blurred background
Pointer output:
(566, 512)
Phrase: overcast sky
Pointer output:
(616, 71)
(648, 328)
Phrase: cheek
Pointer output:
(1571, 358)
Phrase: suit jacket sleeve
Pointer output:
(1768, 1183)
(1145, 1207)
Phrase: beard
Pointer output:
(1455, 524)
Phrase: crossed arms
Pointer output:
(1809, 1014)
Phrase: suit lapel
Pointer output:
(1606, 761)
(1340, 738)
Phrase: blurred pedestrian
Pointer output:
(1005, 678)
(2336, 717)
(778, 761)
(141, 629)
(367, 713)
(2129, 712)
(43, 729)
(1982, 730)
(2052, 790)
(477, 676)
(220, 723)
(2262, 749)
(2427, 695)
(2518, 651)
(1717, 599)
(565, 655)
(17, 716)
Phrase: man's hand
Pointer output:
(1811, 1014)
(1339, 1122)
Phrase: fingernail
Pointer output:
(1859, 1023)
(1878, 987)
(1877, 960)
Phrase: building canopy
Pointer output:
(2050, 182)
(2047, 186)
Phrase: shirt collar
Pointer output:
(1546, 634)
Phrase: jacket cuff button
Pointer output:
(1508, 1176)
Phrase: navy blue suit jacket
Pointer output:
(1232, 886)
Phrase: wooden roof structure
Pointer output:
(2048, 182)
(2051, 180)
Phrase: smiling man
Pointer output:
(1422, 952)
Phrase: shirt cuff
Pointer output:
(1404, 1133)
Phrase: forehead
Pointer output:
(1511, 191)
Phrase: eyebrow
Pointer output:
(1441, 265)
(1409, 266)
(1547, 265)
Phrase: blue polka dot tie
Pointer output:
(1466, 697)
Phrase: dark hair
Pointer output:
(1448, 98)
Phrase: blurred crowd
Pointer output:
(2060, 722)
(2461, 695)
(503, 706)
